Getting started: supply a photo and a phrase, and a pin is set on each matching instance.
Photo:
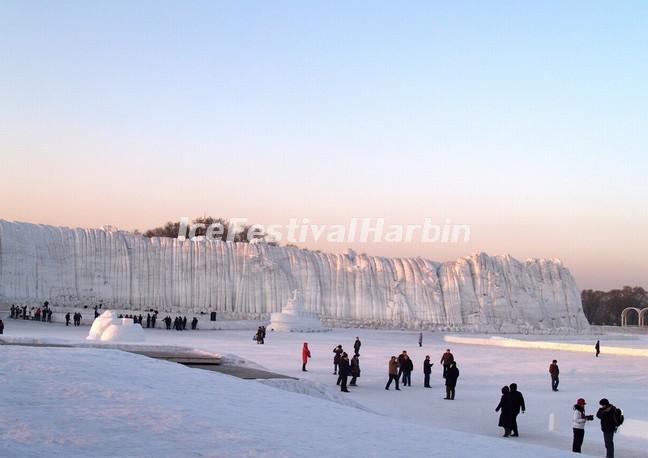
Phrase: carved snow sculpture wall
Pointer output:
(251, 280)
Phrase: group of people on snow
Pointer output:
(611, 418)
(509, 407)
(260, 335)
(43, 313)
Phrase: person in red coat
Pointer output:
(305, 355)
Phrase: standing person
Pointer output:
(148, 320)
(355, 369)
(451, 380)
(517, 401)
(401, 365)
(153, 320)
(606, 413)
(446, 359)
(578, 423)
(336, 358)
(1, 327)
(427, 370)
(345, 368)
(420, 339)
(67, 319)
(259, 335)
(194, 323)
(305, 355)
(393, 372)
(554, 371)
(356, 346)
(408, 367)
(263, 334)
(505, 407)
(597, 347)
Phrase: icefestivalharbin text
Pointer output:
(301, 230)
(251, 280)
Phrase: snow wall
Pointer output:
(76, 267)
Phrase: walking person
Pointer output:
(420, 340)
(597, 347)
(355, 370)
(578, 424)
(356, 346)
(554, 371)
(336, 358)
(345, 369)
(67, 319)
(393, 372)
(305, 355)
(446, 359)
(505, 407)
(607, 414)
(451, 380)
(517, 401)
(427, 370)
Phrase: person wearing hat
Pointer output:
(608, 425)
(578, 422)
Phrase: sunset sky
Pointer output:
(526, 121)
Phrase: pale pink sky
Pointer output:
(527, 123)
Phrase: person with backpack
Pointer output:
(611, 418)
(554, 371)
(305, 355)
(578, 424)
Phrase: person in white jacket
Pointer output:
(578, 422)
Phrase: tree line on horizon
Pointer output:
(172, 229)
(605, 307)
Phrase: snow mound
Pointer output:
(108, 328)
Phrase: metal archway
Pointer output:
(643, 317)
(624, 315)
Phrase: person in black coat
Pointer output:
(194, 323)
(67, 319)
(606, 414)
(518, 404)
(408, 367)
(344, 370)
(427, 370)
(1, 327)
(505, 407)
(355, 369)
(356, 346)
(452, 374)
(597, 347)
(337, 351)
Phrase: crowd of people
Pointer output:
(511, 402)
(43, 313)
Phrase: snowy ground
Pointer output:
(165, 409)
